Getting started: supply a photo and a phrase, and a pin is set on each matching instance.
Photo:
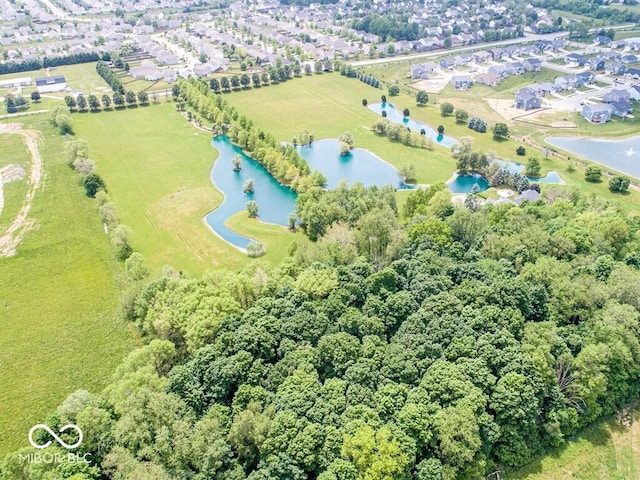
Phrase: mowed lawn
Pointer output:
(59, 305)
(157, 169)
(328, 105)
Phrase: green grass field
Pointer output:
(604, 451)
(59, 307)
(13, 152)
(330, 104)
(157, 170)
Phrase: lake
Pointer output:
(276, 202)
(396, 116)
(622, 155)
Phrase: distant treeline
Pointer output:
(28, 65)
(590, 9)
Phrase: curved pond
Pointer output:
(622, 155)
(276, 202)
(396, 116)
(357, 166)
(465, 183)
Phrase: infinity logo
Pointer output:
(57, 438)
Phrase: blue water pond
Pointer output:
(465, 183)
(276, 202)
(622, 155)
(396, 116)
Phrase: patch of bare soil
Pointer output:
(21, 224)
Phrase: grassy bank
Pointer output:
(59, 305)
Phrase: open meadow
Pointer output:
(59, 308)
(157, 169)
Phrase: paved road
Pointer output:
(438, 53)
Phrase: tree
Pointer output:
(35, 96)
(521, 151)
(440, 129)
(248, 186)
(130, 98)
(375, 454)
(118, 99)
(446, 109)
(394, 90)
(224, 83)
(237, 163)
(121, 238)
(70, 101)
(235, 81)
(407, 172)
(364, 102)
(593, 174)
(533, 167)
(405, 112)
(143, 97)
(462, 116)
(383, 98)
(245, 80)
(94, 103)
(500, 130)
(92, 183)
(214, 84)
(307, 69)
(81, 102)
(252, 208)
(347, 139)
(619, 184)
(422, 97)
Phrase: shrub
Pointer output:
(256, 249)
(593, 174)
(619, 184)
(521, 151)
(84, 166)
(92, 183)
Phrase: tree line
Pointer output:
(282, 161)
(45, 62)
(109, 76)
(432, 343)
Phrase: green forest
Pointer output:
(427, 342)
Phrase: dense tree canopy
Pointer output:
(446, 347)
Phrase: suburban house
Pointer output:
(595, 64)
(447, 63)
(585, 78)
(516, 68)
(461, 82)
(482, 56)
(627, 59)
(528, 196)
(615, 68)
(632, 73)
(526, 99)
(597, 113)
(51, 84)
(422, 70)
(574, 60)
(490, 79)
(532, 64)
(147, 73)
(170, 75)
(501, 71)
(602, 40)
(620, 100)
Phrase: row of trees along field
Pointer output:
(283, 162)
(437, 344)
(46, 62)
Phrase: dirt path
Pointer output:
(21, 224)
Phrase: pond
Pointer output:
(396, 116)
(622, 155)
(357, 166)
(465, 183)
(276, 202)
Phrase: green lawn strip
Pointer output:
(604, 451)
(13, 151)
(276, 238)
(328, 105)
(157, 169)
(59, 304)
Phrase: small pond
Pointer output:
(277, 202)
(396, 116)
(465, 183)
(622, 155)
(357, 166)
